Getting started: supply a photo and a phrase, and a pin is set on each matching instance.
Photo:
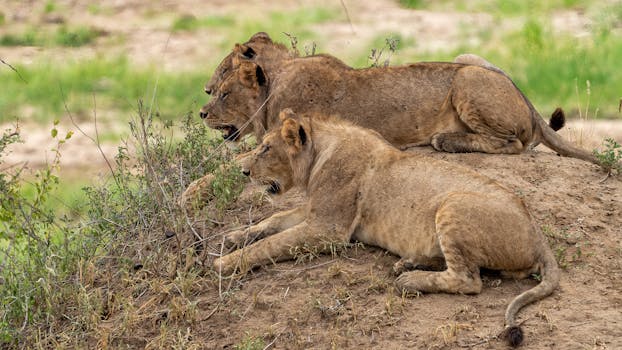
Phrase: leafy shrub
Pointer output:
(610, 156)
(34, 246)
(127, 223)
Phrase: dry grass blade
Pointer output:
(13, 69)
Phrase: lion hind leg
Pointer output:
(462, 142)
(459, 246)
(459, 277)
(448, 281)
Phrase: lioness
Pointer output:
(360, 187)
(453, 107)
(271, 55)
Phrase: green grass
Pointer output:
(497, 7)
(296, 23)
(413, 4)
(79, 36)
(62, 36)
(115, 84)
(235, 29)
(2, 18)
(50, 6)
(191, 23)
(27, 38)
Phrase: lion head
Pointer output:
(259, 49)
(283, 158)
(236, 106)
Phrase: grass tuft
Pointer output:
(610, 157)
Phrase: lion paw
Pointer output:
(402, 266)
(219, 265)
(197, 193)
(236, 239)
(440, 143)
(408, 282)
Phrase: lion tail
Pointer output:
(550, 275)
(547, 135)
(558, 119)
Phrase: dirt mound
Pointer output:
(348, 300)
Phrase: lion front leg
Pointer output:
(278, 247)
(276, 223)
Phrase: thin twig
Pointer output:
(95, 141)
(307, 268)
(345, 9)
(15, 70)
(211, 313)
(222, 247)
(272, 342)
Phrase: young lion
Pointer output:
(453, 107)
(360, 187)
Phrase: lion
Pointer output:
(453, 107)
(360, 187)
(270, 56)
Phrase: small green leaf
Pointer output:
(69, 134)
(54, 132)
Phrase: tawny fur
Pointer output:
(360, 187)
(454, 107)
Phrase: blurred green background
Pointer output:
(75, 52)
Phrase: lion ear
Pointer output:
(294, 136)
(251, 75)
(286, 113)
(244, 51)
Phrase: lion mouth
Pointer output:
(274, 188)
(229, 132)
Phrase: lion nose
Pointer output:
(208, 90)
(246, 172)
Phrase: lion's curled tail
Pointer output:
(550, 280)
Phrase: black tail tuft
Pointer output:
(558, 119)
(514, 335)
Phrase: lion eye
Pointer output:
(224, 95)
(264, 149)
